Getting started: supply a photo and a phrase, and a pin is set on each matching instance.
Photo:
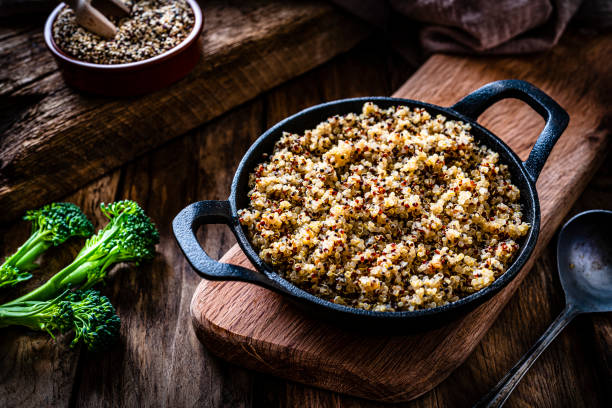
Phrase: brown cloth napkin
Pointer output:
(478, 26)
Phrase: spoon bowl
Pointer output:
(584, 260)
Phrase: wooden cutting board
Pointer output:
(258, 329)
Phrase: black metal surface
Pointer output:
(466, 110)
(186, 223)
(556, 118)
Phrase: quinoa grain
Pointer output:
(153, 27)
(385, 210)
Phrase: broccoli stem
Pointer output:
(37, 247)
(28, 314)
(8, 318)
(73, 274)
(50, 288)
(16, 267)
(12, 318)
(28, 252)
(80, 276)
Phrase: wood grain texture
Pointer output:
(37, 371)
(54, 136)
(253, 327)
(182, 372)
(159, 361)
(181, 375)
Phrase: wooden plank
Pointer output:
(37, 371)
(159, 350)
(253, 327)
(56, 140)
(555, 379)
(161, 353)
(179, 371)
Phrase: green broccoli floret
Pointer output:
(51, 226)
(57, 222)
(90, 315)
(95, 320)
(130, 236)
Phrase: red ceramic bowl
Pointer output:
(133, 78)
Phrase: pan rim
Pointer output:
(289, 289)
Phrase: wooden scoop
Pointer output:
(93, 16)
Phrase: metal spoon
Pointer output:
(584, 260)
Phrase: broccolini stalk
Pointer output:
(51, 226)
(91, 316)
(129, 236)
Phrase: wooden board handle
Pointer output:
(474, 104)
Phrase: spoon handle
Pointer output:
(500, 393)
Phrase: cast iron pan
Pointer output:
(524, 176)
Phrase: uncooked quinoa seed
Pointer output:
(387, 210)
(153, 27)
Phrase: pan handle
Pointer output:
(556, 117)
(185, 225)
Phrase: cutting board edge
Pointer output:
(217, 339)
(590, 133)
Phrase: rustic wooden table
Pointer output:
(160, 362)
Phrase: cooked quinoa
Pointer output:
(386, 210)
(153, 27)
